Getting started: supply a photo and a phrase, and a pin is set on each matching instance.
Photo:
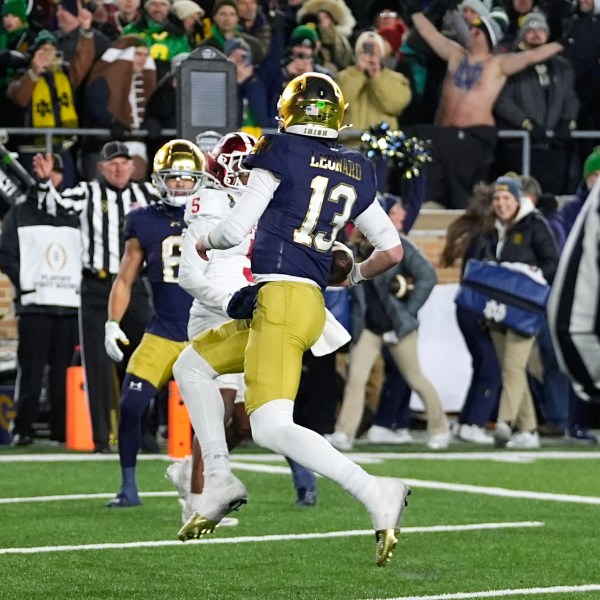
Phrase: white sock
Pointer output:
(197, 386)
(193, 500)
(273, 427)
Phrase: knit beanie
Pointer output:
(508, 184)
(148, 2)
(18, 8)
(43, 37)
(369, 37)
(183, 9)
(304, 35)
(237, 43)
(491, 27)
(220, 3)
(533, 20)
(592, 163)
(478, 6)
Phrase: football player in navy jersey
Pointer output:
(154, 236)
(303, 189)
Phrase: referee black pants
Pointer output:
(101, 386)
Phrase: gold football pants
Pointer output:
(287, 321)
(154, 358)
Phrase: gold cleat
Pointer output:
(386, 513)
(227, 494)
(196, 527)
(386, 544)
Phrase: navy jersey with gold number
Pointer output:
(159, 229)
(323, 186)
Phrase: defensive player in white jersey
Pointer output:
(212, 284)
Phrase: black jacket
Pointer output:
(528, 240)
(21, 216)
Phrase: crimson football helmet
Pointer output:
(224, 161)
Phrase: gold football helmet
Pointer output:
(178, 160)
(312, 104)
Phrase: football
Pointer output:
(341, 264)
(402, 286)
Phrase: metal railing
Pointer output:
(48, 133)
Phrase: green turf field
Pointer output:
(479, 525)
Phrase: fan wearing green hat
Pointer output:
(591, 168)
(15, 33)
(16, 38)
(571, 208)
(46, 90)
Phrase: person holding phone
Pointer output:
(375, 93)
(46, 91)
(251, 98)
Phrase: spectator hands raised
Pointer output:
(85, 17)
(42, 165)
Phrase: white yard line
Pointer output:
(501, 492)
(415, 483)
(562, 589)
(267, 538)
(63, 497)
(361, 457)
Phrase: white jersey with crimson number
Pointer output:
(211, 283)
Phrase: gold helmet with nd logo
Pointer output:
(313, 105)
(178, 171)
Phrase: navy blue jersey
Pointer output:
(323, 186)
(159, 229)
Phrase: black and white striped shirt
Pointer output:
(101, 209)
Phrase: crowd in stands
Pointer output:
(455, 73)
(111, 64)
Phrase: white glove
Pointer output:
(113, 334)
(355, 276)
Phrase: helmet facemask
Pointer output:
(225, 160)
(178, 161)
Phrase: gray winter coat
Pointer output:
(401, 312)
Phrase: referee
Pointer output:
(102, 205)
